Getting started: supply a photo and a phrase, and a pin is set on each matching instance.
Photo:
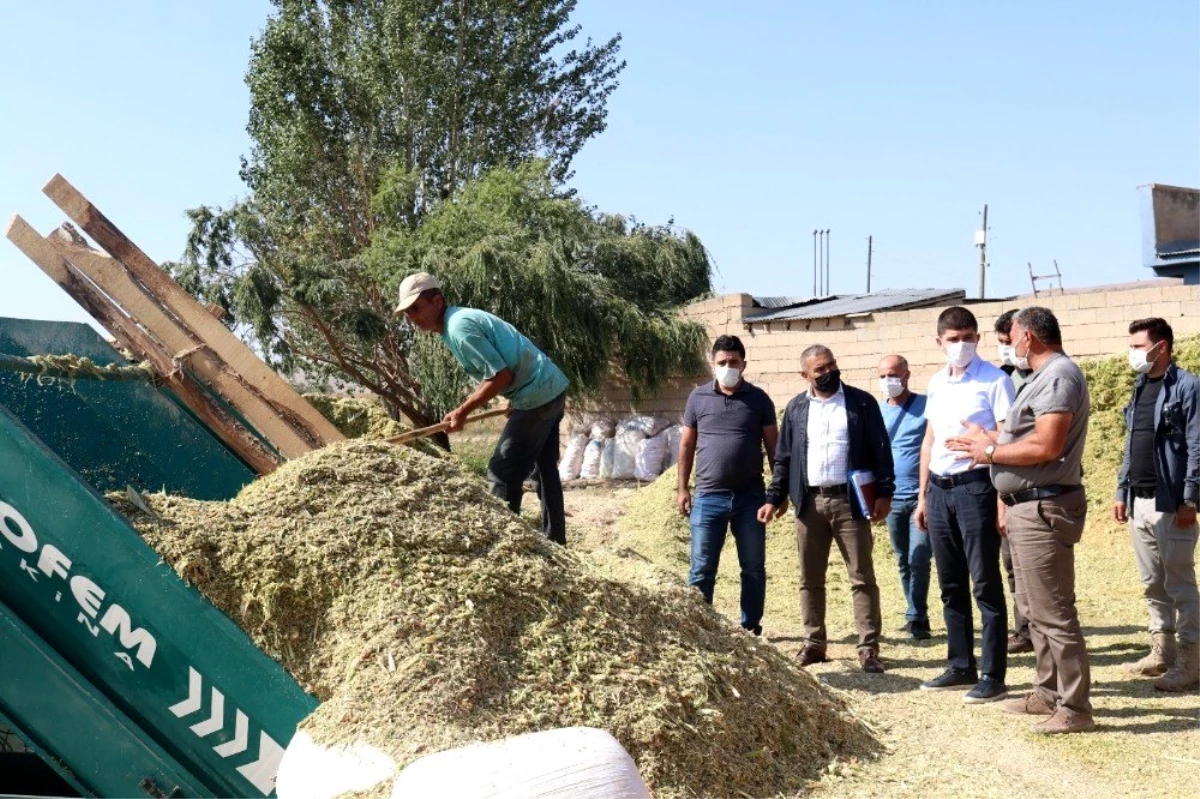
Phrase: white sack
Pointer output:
(313, 771)
(572, 460)
(649, 425)
(607, 457)
(590, 468)
(649, 460)
(671, 456)
(602, 429)
(625, 454)
(570, 763)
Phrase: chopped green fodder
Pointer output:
(423, 615)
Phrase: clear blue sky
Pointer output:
(750, 123)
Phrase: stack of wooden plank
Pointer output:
(233, 391)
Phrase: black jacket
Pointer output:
(870, 448)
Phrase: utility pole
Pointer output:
(869, 264)
(827, 289)
(981, 242)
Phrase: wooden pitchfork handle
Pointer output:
(433, 429)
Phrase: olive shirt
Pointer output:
(1058, 386)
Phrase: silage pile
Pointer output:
(425, 616)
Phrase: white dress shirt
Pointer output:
(982, 394)
(828, 440)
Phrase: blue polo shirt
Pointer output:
(485, 345)
(906, 429)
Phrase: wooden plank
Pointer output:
(192, 314)
(112, 277)
(142, 345)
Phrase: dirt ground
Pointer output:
(1148, 744)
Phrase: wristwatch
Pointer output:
(1189, 503)
(989, 451)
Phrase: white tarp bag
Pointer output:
(649, 425)
(310, 770)
(671, 456)
(606, 459)
(625, 453)
(602, 429)
(649, 459)
(572, 460)
(590, 468)
(569, 763)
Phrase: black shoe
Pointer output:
(756, 629)
(951, 678)
(989, 689)
(907, 628)
(919, 632)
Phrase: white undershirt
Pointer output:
(828, 440)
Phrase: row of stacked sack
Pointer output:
(637, 448)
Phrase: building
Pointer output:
(1171, 232)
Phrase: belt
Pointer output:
(838, 490)
(1030, 494)
(969, 476)
(1143, 493)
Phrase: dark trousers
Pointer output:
(1020, 624)
(966, 550)
(528, 446)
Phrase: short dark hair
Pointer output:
(1156, 329)
(729, 344)
(1004, 322)
(812, 351)
(956, 317)
(1042, 323)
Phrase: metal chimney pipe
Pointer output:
(828, 289)
(814, 263)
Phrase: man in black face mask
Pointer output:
(834, 461)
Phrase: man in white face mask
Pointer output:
(956, 503)
(726, 426)
(904, 417)
(1160, 479)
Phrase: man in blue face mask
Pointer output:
(726, 425)
(831, 436)
(1158, 488)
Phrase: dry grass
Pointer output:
(1148, 744)
(424, 616)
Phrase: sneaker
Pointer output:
(989, 689)
(755, 630)
(1032, 704)
(950, 678)
(869, 660)
(919, 632)
(905, 628)
(1018, 644)
(810, 654)
(1065, 721)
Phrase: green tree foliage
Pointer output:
(592, 290)
(372, 121)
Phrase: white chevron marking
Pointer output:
(262, 772)
(240, 739)
(215, 721)
(193, 702)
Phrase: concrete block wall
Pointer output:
(1095, 324)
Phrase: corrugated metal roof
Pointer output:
(776, 303)
(846, 304)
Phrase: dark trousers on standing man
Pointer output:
(528, 446)
(966, 550)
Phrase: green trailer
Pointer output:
(114, 672)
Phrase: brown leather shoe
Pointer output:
(869, 660)
(1032, 704)
(1018, 644)
(1065, 721)
(810, 654)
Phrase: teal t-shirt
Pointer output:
(906, 429)
(485, 345)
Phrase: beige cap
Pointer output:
(412, 287)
